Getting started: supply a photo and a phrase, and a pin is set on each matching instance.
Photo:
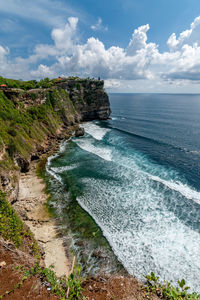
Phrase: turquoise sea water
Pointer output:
(138, 176)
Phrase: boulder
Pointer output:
(79, 132)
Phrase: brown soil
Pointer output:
(101, 288)
(32, 288)
(115, 288)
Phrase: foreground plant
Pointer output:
(167, 291)
(66, 288)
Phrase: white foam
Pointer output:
(95, 131)
(61, 150)
(195, 152)
(54, 174)
(184, 189)
(51, 170)
(86, 144)
(64, 168)
(142, 232)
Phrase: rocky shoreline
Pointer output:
(33, 123)
(31, 206)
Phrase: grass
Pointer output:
(11, 226)
(63, 287)
(167, 291)
(13, 229)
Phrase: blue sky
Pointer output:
(135, 45)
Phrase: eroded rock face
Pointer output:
(88, 97)
(23, 163)
(79, 132)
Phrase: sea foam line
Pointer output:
(87, 145)
(183, 189)
(95, 131)
(50, 158)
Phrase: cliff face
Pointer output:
(31, 122)
(88, 97)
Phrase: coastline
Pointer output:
(31, 205)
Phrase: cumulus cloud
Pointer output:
(99, 26)
(63, 38)
(140, 60)
(190, 37)
(93, 59)
(182, 62)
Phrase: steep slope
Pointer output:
(88, 97)
(31, 121)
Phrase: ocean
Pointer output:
(138, 176)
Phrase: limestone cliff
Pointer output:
(88, 97)
(32, 120)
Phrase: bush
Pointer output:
(167, 291)
(12, 132)
(11, 148)
(11, 227)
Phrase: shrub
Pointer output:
(11, 226)
(167, 291)
(11, 148)
(12, 132)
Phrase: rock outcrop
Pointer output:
(79, 132)
(35, 120)
(88, 97)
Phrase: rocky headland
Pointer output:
(34, 118)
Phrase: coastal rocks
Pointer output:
(5, 180)
(79, 132)
(9, 184)
(23, 163)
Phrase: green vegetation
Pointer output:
(43, 83)
(65, 288)
(13, 229)
(20, 126)
(11, 226)
(23, 126)
(27, 85)
(167, 291)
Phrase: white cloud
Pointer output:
(112, 84)
(183, 60)
(92, 58)
(42, 72)
(140, 60)
(48, 12)
(63, 38)
(3, 53)
(190, 36)
(99, 26)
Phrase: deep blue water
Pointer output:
(138, 176)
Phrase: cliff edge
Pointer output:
(34, 115)
(88, 97)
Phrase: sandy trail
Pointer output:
(31, 206)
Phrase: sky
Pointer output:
(134, 45)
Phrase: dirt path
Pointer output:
(31, 207)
